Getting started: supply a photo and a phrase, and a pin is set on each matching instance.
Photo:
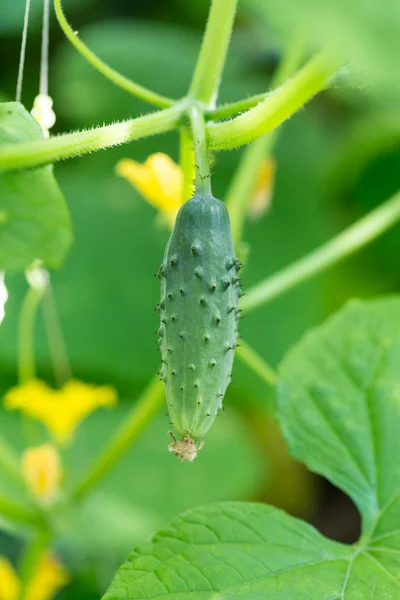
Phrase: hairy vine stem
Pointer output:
(207, 75)
(275, 108)
(254, 123)
(34, 154)
(202, 159)
(187, 163)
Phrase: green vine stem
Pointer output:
(19, 514)
(26, 353)
(340, 247)
(256, 363)
(187, 162)
(231, 109)
(243, 184)
(287, 67)
(141, 413)
(202, 160)
(9, 462)
(207, 75)
(291, 60)
(55, 338)
(230, 134)
(31, 557)
(275, 109)
(108, 72)
(34, 154)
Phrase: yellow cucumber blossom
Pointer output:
(9, 581)
(62, 410)
(48, 578)
(262, 195)
(42, 473)
(159, 180)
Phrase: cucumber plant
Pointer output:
(336, 393)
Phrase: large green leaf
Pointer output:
(34, 219)
(339, 404)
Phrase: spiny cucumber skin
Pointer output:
(199, 315)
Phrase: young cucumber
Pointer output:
(199, 319)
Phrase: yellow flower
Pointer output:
(263, 189)
(41, 469)
(49, 577)
(61, 411)
(9, 582)
(159, 180)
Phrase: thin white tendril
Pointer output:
(42, 109)
(22, 53)
(44, 57)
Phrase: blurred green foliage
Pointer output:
(362, 32)
(336, 160)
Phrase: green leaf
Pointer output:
(339, 404)
(232, 550)
(34, 219)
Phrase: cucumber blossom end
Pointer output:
(186, 448)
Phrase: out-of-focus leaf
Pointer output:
(34, 219)
(366, 33)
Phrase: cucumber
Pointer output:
(199, 319)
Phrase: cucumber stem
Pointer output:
(27, 320)
(207, 75)
(202, 159)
